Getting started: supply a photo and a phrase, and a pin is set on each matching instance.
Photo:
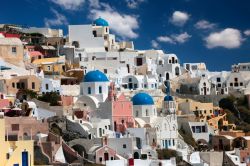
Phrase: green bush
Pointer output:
(51, 97)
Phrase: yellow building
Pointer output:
(15, 153)
(51, 66)
(206, 112)
(203, 111)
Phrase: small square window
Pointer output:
(124, 146)
(14, 50)
(15, 127)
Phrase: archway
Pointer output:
(136, 155)
(167, 76)
(80, 150)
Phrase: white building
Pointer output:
(50, 85)
(134, 82)
(93, 90)
(195, 69)
(219, 81)
(168, 67)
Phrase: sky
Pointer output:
(216, 32)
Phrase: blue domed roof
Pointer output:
(142, 99)
(168, 98)
(95, 76)
(101, 22)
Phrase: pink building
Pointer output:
(122, 111)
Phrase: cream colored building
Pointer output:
(11, 50)
(14, 153)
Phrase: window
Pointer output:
(48, 67)
(203, 129)
(15, 127)
(100, 132)
(136, 113)
(7, 156)
(100, 89)
(47, 86)
(146, 112)
(218, 79)
(231, 84)
(89, 90)
(33, 85)
(135, 86)
(130, 80)
(241, 83)
(173, 142)
(124, 146)
(100, 159)
(18, 85)
(13, 85)
(22, 85)
(236, 84)
(105, 71)
(235, 79)
(13, 50)
(193, 129)
(219, 85)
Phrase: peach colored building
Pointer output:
(14, 84)
(22, 128)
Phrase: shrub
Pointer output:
(52, 97)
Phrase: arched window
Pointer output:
(177, 71)
(89, 90)
(100, 89)
(76, 44)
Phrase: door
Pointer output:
(130, 85)
(106, 156)
(205, 90)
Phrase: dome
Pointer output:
(142, 99)
(101, 22)
(168, 98)
(95, 76)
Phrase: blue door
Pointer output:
(25, 159)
